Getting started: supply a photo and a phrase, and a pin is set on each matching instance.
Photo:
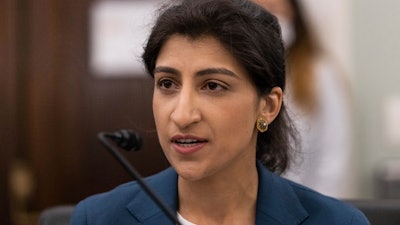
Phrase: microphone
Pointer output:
(129, 140)
(126, 139)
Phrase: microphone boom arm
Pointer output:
(132, 171)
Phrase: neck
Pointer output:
(220, 199)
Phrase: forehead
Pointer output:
(207, 49)
(202, 41)
(193, 55)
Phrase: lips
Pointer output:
(187, 144)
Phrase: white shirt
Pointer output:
(183, 221)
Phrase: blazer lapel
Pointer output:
(277, 203)
(145, 210)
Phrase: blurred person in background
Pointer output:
(319, 99)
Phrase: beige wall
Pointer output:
(376, 48)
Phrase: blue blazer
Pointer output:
(279, 202)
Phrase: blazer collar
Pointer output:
(277, 203)
(144, 209)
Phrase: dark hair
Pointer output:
(253, 37)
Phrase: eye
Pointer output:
(213, 86)
(165, 83)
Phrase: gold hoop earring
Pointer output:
(262, 125)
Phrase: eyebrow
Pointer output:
(165, 69)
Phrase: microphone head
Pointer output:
(127, 139)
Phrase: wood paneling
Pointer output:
(63, 107)
(7, 102)
(68, 106)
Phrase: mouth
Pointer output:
(188, 143)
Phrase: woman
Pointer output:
(219, 76)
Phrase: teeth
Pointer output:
(186, 141)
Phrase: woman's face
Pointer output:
(205, 108)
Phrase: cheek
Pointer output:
(238, 117)
(160, 119)
(244, 119)
(158, 112)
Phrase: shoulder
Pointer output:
(288, 202)
(321, 208)
(112, 207)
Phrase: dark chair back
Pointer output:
(58, 215)
(379, 211)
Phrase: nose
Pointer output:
(186, 112)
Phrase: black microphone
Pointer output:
(129, 140)
(126, 139)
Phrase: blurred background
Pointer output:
(70, 69)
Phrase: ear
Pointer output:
(271, 104)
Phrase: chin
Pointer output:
(190, 172)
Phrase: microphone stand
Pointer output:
(132, 171)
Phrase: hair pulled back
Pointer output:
(253, 37)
